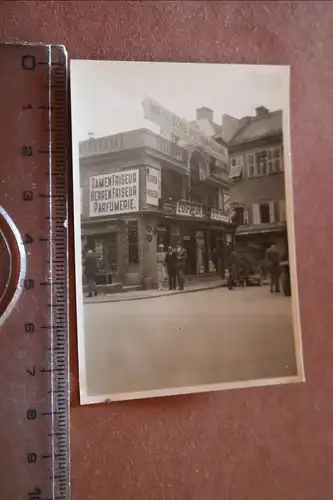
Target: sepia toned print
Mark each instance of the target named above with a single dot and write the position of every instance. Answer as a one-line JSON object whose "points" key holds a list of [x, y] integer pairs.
{"points": [[184, 238]]}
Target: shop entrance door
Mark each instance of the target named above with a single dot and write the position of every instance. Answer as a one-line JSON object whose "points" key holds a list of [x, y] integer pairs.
{"points": [[190, 245]]}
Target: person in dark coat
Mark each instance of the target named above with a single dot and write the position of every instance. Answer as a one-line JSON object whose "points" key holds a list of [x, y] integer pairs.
{"points": [[170, 260], [90, 270], [181, 256], [274, 267]]}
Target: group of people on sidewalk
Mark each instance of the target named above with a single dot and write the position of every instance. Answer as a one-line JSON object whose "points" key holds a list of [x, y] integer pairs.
{"points": [[171, 265]]}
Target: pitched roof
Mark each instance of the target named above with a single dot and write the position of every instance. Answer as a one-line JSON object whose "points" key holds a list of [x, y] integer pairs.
{"points": [[259, 127]]}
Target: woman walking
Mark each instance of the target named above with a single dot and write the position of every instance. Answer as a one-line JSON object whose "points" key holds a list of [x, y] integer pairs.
{"points": [[160, 260]]}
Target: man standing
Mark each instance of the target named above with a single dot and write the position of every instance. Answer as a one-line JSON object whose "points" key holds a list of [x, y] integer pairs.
{"points": [[180, 265], [274, 267], [90, 270], [170, 260]]}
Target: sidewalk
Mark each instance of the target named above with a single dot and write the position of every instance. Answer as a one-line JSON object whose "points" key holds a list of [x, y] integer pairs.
{"points": [[190, 287]]}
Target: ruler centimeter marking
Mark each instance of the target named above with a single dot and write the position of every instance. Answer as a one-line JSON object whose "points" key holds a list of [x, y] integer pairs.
{"points": [[38, 423]]}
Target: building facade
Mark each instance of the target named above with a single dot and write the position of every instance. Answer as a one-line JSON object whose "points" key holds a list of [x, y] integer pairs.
{"points": [[257, 194], [139, 190]]}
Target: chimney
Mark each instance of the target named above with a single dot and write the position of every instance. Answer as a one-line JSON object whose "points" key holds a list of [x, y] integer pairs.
{"points": [[205, 114], [261, 111]]}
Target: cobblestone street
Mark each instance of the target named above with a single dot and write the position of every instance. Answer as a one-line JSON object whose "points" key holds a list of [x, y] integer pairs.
{"points": [[198, 338]]}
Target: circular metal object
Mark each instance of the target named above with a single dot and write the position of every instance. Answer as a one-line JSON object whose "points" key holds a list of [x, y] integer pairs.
{"points": [[12, 265]]}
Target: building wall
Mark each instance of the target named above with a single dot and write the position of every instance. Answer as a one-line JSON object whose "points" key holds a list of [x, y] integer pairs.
{"points": [[145, 149], [265, 188]]}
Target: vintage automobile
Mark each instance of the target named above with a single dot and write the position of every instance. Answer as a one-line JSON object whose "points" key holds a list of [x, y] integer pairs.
{"points": [[254, 279]]}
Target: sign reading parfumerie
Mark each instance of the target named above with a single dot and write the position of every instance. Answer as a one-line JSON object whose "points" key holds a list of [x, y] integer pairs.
{"points": [[113, 194]]}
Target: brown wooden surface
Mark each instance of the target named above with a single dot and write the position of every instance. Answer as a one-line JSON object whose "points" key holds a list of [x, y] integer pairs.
{"points": [[253, 444]]}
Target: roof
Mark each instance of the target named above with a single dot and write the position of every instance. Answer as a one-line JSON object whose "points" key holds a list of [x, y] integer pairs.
{"points": [[258, 127]]}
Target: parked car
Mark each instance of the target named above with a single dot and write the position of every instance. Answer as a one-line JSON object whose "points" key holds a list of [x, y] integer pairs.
{"points": [[254, 279]]}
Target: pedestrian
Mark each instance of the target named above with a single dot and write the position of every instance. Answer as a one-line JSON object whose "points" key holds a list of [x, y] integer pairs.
{"points": [[230, 282], [274, 268], [90, 270], [181, 256], [160, 261], [170, 260]]}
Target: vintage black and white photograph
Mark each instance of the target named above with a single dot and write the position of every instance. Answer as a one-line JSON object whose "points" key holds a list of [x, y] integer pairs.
{"points": [[184, 236]]}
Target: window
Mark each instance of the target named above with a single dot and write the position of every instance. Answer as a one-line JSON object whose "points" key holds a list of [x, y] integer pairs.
{"points": [[241, 216], [250, 165], [264, 162], [133, 242], [171, 185], [278, 164], [264, 213], [236, 166], [270, 161], [212, 198], [261, 161]]}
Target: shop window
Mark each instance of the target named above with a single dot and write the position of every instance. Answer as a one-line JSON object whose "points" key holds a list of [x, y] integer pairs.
{"points": [[133, 242], [105, 248]]}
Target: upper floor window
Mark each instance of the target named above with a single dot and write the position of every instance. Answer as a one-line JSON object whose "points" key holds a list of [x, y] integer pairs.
{"points": [[240, 214], [250, 165], [264, 162], [171, 185], [236, 167], [264, 213]]}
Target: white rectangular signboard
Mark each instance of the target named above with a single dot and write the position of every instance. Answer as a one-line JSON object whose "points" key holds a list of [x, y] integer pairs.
{"points": [[153, 186], [114, 193]]}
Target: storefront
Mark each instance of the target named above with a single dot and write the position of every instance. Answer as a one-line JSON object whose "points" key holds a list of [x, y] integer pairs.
{"points": [[203, 234]]}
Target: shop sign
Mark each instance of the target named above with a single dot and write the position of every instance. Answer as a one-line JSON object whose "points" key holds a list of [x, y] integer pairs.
{"points": [[153, 186], [189, 209], [190, 133], [115, 193], [220, 215]]}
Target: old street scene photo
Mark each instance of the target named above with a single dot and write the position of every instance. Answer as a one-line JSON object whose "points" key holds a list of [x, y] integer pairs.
{"points": [[184, 243]]}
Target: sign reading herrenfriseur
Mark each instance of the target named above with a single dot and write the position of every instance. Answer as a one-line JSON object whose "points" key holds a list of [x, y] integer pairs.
{"points": [[114, 193]]}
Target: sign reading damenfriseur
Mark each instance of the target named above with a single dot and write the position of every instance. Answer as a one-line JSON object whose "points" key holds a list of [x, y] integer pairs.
{"points": [[189, 209], [114, 193]]}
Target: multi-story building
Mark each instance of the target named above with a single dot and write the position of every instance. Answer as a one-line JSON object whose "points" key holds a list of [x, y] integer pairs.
{"points": [[139, 190], [255, 146]]}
